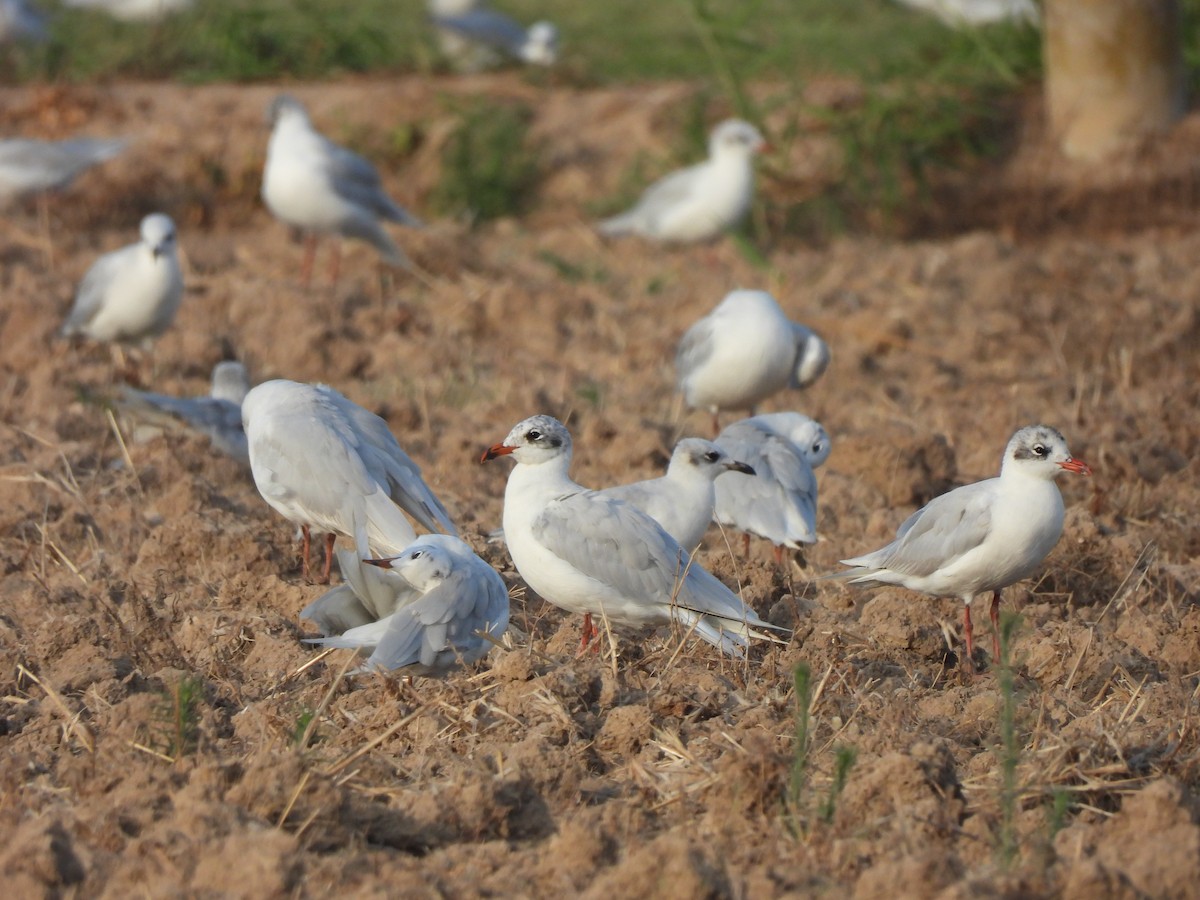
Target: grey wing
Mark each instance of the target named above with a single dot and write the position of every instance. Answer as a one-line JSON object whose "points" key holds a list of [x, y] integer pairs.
{"points": [[695, 349], [219, 420], [89, 298], [380, 591], [659, 198], [812, 357], [936, 535], [779, 501], [357, 180], [388, 464], [638, 494], [620, 546], [435, 630], [337, 611], [487, 27]]}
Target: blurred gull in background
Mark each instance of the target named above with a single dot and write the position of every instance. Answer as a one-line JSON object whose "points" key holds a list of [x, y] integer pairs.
{"points": [[312, 184], [21, 22], [973, 13], [217, 415], [700, 202], [744, 351], [473, 37], [134, 10], [131, 294]]}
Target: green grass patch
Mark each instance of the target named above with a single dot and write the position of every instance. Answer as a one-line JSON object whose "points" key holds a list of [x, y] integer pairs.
{"points": [[488, 168]]}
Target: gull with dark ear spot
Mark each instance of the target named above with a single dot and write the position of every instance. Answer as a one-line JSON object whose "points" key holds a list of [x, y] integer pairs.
{"points": [[981, 537], [699, 202], [780, 502], [682, 500], [744, 351], [133, 293], [591, 554], [319, 187], [454, 610]]}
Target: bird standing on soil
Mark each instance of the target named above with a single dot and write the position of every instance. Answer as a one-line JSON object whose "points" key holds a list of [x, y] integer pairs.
{"points": [[329, 465], [218, 415], [455, 610], [591, 554], [473, 37], [133, 293], [742, 352], [682, 500], [312, 184], [699, 202], [780, 502], [981, 537]]}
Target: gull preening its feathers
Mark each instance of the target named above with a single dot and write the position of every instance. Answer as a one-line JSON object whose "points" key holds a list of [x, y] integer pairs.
{"points": [[981, 537], [591, 554], [450, 607]]}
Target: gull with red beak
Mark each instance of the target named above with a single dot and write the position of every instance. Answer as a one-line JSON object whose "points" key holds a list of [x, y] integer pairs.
{"points": [[591, 554], [981, 537]]}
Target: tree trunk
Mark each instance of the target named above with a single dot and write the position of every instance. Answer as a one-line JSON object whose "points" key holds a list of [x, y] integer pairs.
{"points": [[1114, 72]]}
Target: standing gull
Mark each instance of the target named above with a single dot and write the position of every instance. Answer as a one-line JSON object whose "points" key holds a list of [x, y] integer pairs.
{"points": [[595, 555], [312, 184], [780, 502], [744, 351], [455, 610], [132, 293], [699, 202], [682, 500], [981, 537], [329, 465], [218, 415]]}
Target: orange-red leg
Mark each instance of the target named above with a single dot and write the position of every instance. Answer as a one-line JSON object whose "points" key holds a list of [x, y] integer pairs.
{"points": [[589, 632], [330, 539], [305, 547], [969, 635]]}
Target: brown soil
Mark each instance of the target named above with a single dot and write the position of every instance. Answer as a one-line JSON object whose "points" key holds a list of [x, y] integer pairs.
{"points": [[130, 569]]}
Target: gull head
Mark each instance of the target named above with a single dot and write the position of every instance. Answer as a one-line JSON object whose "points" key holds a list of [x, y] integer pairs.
{"points": [[422, 565], [536, 440], [807, 434], [285, 106], [158, 233], [1039, 451], [735, 137], [705, 458], [229, 382], [541, 44]]}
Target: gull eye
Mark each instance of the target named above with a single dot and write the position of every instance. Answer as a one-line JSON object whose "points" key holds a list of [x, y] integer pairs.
{"points": [[533, 434], [712, 456], [417, 554], [1039, 450]]}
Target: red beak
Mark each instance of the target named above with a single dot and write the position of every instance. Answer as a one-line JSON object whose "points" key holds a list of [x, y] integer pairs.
{"points": [[496, 450], [382, 563], [1077, 466]]}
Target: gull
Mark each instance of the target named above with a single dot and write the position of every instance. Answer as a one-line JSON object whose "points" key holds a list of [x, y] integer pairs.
{"points": [[132, 293], [699, 202], [780, 502], [981, 537], [21, 22], [368, 593], [743, 351], [326, 464], [312, 184], [218, 415], [682, 500], [973, 13], [455, 610], [591, 554], [474, 37], [134, 10], [30, 166]]}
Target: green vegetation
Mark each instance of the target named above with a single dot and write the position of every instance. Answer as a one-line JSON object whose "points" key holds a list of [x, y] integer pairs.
{"points": [[488, 168], [797, 817], [176, 727]]}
